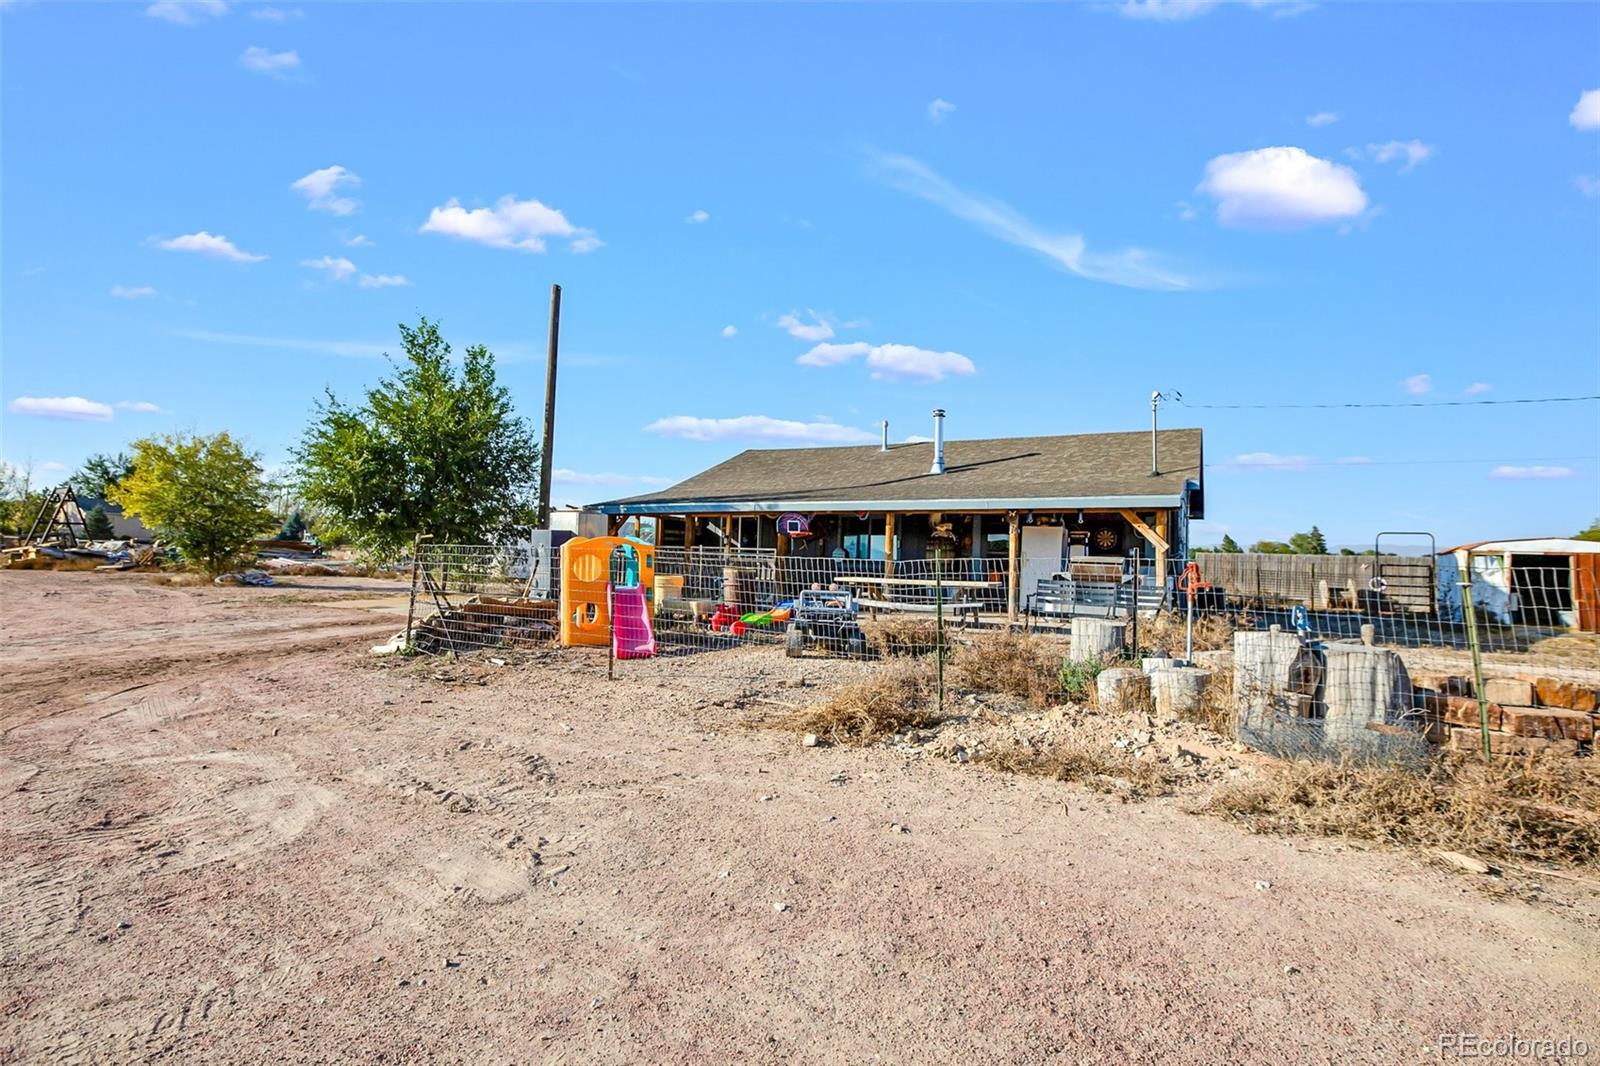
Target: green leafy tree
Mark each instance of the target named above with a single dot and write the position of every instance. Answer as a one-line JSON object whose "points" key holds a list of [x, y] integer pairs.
{"points": [[1592, 533], [1271, 547], [294, 527], [99, 473], [430, 449], [1311, 542], [97, 524], [20, 498], [206, 495], [1230, 546]]}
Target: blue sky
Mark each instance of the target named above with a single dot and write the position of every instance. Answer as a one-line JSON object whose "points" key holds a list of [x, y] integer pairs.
{"points": [[779, 224]]}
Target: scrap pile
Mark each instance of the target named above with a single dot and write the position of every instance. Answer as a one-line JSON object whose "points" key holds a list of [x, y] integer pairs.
{"points": [[486, 622]]}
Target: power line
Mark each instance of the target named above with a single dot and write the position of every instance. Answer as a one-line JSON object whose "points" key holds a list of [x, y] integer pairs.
{"points": [[1178, 396]]}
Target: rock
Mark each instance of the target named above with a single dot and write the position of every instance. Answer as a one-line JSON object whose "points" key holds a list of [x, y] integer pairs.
{"points": [[1290, 971], [1465, 863], [1504, 690], [1262, 886], [810, 740], [1571, 695], [780, 907], [1369, 634], [1551, 723]]}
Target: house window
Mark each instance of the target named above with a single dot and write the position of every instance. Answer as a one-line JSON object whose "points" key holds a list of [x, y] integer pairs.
{"points": [[862, 538]]}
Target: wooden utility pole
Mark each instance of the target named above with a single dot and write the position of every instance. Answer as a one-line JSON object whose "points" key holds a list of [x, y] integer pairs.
{"points": [[548, 446]]}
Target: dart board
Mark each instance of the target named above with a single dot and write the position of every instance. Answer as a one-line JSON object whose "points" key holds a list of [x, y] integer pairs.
{"points": [[1105, 540]]}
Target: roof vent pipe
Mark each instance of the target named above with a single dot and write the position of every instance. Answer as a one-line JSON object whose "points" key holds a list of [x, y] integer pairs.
{"points": [[885, 446], [938, 441]]}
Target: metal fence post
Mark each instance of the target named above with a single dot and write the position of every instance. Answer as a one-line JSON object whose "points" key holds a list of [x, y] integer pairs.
{"points": [[411, 607], [938, 621], [1477, 656]]}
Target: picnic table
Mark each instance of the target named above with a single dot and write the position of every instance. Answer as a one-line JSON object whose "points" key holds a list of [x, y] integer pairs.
{"points": [[875, 591]]}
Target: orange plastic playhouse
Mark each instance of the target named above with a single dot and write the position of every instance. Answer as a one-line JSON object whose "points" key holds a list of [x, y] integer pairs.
{"points": [[586, 568]]}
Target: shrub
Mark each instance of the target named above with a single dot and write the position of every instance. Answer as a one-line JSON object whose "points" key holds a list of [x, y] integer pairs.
{"points": [[1077, 678], [97, 524], [1015, 664], [896, 696]]}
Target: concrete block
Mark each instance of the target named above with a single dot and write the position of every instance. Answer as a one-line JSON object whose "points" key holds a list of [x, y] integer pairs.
{"points": [[1506, 744], [1509, 690], [1551, 723], [1571, 695]]}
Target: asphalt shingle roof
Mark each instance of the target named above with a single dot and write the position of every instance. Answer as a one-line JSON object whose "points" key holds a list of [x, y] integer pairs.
{"points": [[1080, 466]]}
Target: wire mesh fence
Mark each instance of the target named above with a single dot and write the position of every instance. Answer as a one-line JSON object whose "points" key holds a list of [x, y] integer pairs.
{"points": [[471, 597]]}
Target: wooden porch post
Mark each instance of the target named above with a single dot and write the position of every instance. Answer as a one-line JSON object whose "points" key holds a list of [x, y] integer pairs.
{"points": [[690, 523], [888, 544], [1162, 547], [1014, 565]]}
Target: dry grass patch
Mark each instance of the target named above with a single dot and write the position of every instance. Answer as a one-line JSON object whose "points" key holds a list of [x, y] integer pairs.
{"points": [[898, 695], [1016, 664], [1165, 636], [901, 635], [1083, 763], [1529, 809]]}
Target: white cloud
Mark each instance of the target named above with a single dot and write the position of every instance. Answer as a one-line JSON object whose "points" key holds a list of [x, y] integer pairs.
{"points": [[1586, 115], [71, 408], [346, 349], [336, 268], [186, 12], [321, 188], [1588, 184], [133, 292], [730, 331], [216, 246], [1322, 118], [757, 428], [1281, 187], [272, 64], [143, 407], [1271, 461], [1412, 151], [1477, 388], [1534, 473], [384, 281], [820, 328], [276, 14], [510, 223], [698, 217], [1354, 460], [891, 362], [1132, 267], [354, 240], [938, 109], [578, 477], [1179, 10], [1418, 384]]}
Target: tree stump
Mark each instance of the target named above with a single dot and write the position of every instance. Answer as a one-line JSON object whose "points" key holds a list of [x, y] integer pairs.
{"points": [[1178, 691], [1150, 663], [1097, 638], [1363, 685], [1123, 689], [1275, 689]]}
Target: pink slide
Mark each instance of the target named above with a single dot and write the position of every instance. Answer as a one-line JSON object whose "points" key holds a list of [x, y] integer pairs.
{"points": [[631, 635]]}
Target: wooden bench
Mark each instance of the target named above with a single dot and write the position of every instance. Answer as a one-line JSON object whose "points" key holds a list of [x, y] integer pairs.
{"points": [[955, 608]]}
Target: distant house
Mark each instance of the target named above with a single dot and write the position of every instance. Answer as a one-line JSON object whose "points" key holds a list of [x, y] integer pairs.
{"points": [[1029, 504], [1533, 581]]}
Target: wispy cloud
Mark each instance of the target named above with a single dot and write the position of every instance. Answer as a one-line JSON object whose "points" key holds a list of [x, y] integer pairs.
{"points": [[214, 245], [891, 362], [1411, 153], [355, 240], [1271, 461], [1418, 384], [1477, 388], [273, 64], [1182, 10], [186, 12], [1322, 118], [1281, 188], [68, 408], [730, 331], [322, 190], [516, 224], [697, 217], [1132, 267], [384, 281], [142, 407], [337, 268], [820, 328], [1531, 473], [277, 14], [938, 109], [133, 292], [579, 477], [344, 349], [1586, 113], [757, 428], [1588, 184]]}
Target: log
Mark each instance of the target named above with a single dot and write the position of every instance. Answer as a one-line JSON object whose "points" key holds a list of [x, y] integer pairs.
{"points": [[1178, 691], [1362, 685], [1123, 689], [1097, 638]]}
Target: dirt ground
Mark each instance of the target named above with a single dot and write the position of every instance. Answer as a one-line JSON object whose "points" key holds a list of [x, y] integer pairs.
{"points": [[228, 833]]}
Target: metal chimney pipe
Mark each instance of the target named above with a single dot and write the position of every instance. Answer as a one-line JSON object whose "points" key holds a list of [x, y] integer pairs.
{"points": [[938, 441], [1155, 458], [885, 446]]}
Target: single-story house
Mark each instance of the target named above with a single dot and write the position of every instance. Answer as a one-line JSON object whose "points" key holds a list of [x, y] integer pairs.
{"points": [[1532, 581], [1036, 505]]}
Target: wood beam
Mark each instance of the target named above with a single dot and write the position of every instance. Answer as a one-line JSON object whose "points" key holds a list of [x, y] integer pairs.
{"points": [[691, 523], [1014, 565], [888, 544], [1164, 531], [1162, 547]]}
